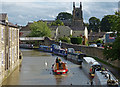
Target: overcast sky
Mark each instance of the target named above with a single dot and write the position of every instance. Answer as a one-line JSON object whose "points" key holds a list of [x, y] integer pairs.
{"points": [[25, 11]]}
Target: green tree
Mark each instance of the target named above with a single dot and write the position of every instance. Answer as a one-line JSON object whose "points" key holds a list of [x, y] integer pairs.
{"points": [[94, 24], [65, 39], [112, 51], [57, 23], [39, 29], [64, 16], [107, 23]]}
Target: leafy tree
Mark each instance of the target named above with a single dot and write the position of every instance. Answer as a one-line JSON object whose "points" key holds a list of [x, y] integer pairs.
{"points": [[107, 22], [76, 40], [39, 29], [65, 39], [112, 51], [94, 24], [64, 16], [57, 23]]}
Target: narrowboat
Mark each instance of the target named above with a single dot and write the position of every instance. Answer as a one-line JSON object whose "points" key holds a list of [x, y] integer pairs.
{"points": [[90, 64], [56, 49], [59, 68], [75, 57], [27, 46], [45, 48], [99, 74]]}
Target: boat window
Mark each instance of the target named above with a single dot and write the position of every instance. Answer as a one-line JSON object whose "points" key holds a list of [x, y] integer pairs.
{"points": [[97, 67]]}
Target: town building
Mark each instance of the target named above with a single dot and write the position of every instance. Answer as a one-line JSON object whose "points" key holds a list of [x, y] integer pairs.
{"points": [[93, 36], [9, 47], [74, 27]]}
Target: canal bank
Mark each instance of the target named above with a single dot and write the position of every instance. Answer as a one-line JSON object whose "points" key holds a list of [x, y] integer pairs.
{"points": [[12, 69]]}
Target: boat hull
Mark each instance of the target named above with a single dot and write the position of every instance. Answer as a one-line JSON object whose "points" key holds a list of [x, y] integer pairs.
{"points": [[60, 72]]}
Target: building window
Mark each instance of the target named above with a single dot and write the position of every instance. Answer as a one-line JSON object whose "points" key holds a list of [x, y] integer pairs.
{"points": [[2, 57], [9, 34], [12, 55], [12, 35], [2, 34], [9, 56]]}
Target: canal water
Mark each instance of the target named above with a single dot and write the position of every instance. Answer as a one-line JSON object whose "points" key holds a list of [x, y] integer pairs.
{"points": [[36, 70]]}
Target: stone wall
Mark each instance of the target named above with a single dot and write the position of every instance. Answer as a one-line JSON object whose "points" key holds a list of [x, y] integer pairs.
{"points": [[91, 51]]}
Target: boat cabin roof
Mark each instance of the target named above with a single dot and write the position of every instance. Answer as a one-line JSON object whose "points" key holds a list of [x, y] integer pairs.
{"points": [[90, 60]]}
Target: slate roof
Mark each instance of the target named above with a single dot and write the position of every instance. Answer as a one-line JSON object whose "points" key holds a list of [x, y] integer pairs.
{"points": [[64, 27], [76, 28], [97, 34]]}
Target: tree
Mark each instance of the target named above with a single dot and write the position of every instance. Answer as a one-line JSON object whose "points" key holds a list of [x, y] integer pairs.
{"points": [[57, 23], [113, 51], [94, 24], [64, 16], [107, 22], [40, 29]]}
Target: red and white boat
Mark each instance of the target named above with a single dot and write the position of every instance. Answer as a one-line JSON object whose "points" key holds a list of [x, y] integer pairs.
{"points": [[59, 68]]}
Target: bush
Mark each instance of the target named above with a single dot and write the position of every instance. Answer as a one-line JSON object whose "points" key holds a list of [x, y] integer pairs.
{"points": [[65, 39], [99, 41], [76, 40]]}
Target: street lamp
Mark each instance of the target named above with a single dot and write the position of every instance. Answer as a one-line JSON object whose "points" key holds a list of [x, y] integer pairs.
{"points": [[60, 42]]}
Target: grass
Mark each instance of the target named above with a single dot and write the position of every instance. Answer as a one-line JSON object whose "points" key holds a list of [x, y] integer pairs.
{"points": [[99, 60]]}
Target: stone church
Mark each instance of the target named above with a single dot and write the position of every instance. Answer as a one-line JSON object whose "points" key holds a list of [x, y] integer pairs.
{"points": [[77, 21]]}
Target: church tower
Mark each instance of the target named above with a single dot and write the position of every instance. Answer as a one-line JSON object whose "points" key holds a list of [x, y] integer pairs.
{"points": [[77, 17]]}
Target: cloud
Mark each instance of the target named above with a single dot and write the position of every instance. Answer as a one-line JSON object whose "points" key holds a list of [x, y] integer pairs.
{"points": [[23, 12], [60, 0]]}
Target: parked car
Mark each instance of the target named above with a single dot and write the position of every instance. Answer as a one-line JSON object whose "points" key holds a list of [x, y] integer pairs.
{"points": [[93, 45]]}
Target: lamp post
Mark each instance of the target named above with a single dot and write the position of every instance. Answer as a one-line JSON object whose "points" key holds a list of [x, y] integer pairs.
{"points": [[60, 42]]}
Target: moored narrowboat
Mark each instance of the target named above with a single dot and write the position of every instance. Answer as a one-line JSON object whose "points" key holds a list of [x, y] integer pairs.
{"points": [[45, 48], [75, 57], [99, 74]]}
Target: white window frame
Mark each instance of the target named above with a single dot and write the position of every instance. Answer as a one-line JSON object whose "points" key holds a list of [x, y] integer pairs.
{"points": [[2, 34], [2, 57]]}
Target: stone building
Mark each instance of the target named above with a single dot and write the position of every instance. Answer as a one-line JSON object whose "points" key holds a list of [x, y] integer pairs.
{"points": [[9, 47], [96, 35], [77, 22], [74, 27], [63, 31]]}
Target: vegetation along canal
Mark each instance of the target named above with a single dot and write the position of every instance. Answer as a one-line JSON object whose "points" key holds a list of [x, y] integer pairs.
{"points": [[36, 70]]}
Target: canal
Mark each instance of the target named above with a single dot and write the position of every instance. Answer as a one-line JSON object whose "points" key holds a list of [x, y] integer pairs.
{"points": [[36, 70]]}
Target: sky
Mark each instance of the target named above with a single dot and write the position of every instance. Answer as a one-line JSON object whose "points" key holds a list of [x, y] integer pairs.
{"points": [[26, 11]]}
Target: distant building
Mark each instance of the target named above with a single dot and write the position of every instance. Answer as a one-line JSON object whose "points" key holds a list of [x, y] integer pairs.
{"points": [[96, 35], [74, 27], [109, 38], [104, 36], [77, 22], [25, 30], [9, 47], [63, 31]]}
